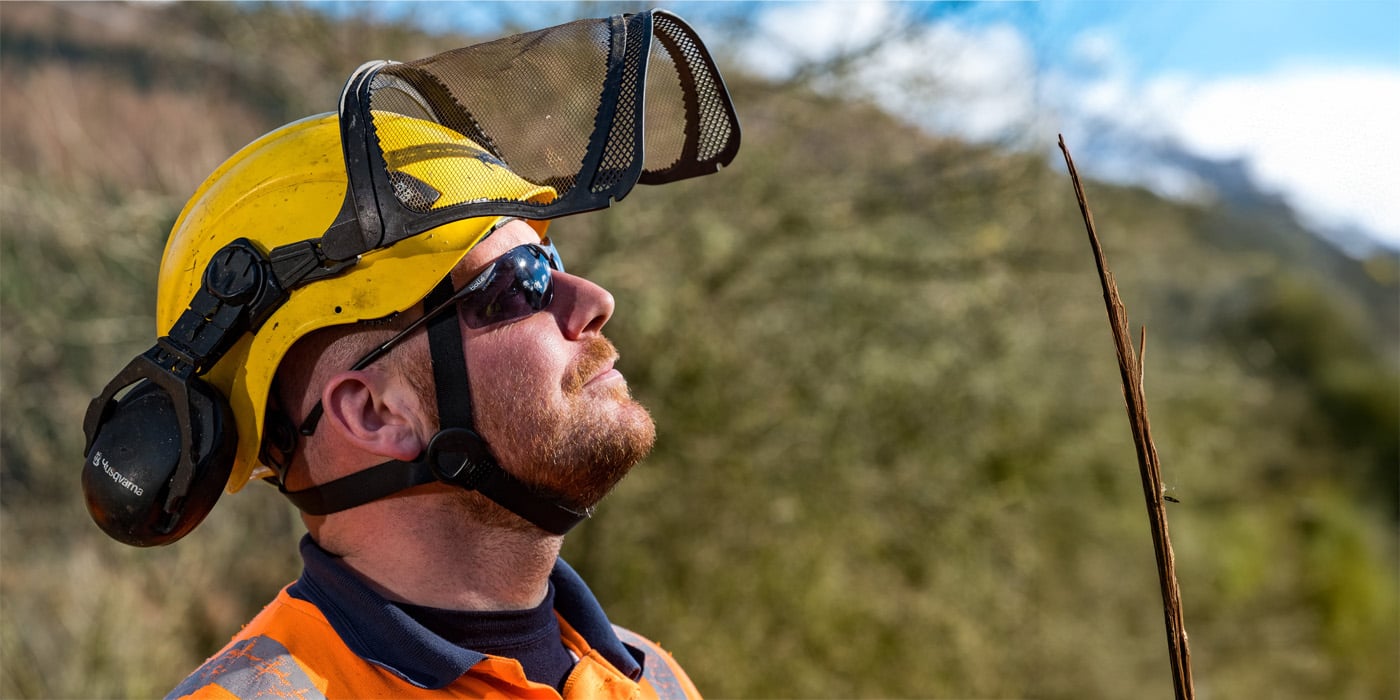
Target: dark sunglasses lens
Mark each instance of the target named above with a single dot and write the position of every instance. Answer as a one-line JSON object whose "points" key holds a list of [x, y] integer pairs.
{"points": [[521, 283]]}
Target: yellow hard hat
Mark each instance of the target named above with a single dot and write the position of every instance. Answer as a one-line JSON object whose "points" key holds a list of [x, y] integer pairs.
{"points": [[288, 186]]}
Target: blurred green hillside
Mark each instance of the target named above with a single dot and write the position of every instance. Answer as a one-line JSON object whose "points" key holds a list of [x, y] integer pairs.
{"points": [[892, 456]]}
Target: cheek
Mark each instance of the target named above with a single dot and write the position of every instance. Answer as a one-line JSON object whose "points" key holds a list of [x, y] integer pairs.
{"points": [[510, 366]]}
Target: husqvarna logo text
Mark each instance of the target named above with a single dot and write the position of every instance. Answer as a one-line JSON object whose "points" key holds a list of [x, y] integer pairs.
{"points": [[99, 461]]}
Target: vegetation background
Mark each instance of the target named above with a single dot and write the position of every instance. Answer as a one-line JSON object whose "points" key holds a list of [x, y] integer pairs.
{"points": [[893, 460]]}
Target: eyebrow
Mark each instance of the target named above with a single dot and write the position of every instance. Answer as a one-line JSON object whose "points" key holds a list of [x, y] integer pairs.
{"points": [[476, 271]]}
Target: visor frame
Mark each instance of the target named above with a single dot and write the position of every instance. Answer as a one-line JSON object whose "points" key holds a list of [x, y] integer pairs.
{"points": [[374, 217]]}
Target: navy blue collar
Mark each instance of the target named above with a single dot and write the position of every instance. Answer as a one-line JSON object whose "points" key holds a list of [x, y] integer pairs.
{"points": [[379, 632]]}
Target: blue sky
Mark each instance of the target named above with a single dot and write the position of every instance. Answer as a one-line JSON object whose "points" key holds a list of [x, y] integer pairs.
{"points": [[1219, 38], [1304, 94]]}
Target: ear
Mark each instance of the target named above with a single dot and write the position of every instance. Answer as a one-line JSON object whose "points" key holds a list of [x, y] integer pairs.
{"points": [[373, 413]]}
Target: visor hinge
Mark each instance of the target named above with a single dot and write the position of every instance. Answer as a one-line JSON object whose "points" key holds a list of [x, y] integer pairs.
{"points": [[296, 264]]}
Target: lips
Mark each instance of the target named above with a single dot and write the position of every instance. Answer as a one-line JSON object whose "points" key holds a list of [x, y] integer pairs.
{"points": [[604, 373], [594, 364]]}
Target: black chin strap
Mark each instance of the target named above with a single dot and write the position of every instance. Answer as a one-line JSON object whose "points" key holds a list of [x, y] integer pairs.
{"points": [[456, 455]]}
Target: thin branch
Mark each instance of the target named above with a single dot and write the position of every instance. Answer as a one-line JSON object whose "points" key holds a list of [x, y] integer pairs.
{"points": [[1131, 369]]}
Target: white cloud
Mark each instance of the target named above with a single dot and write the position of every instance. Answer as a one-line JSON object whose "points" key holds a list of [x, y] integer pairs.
{"points": [[977, 81], [1325, 137], [1095, 48], [794, 33], [1322, 137]]}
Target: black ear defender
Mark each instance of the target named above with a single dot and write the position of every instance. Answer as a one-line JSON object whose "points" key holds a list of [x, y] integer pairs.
{"points": [[161, 442], [159, 458]]}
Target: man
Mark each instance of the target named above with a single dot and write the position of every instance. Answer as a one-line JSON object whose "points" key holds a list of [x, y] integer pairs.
{"points": [[365, 311], [436, 563]]}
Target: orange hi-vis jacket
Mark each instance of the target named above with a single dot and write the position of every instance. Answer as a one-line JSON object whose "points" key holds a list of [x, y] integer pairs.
{"points": [[330, 636]]}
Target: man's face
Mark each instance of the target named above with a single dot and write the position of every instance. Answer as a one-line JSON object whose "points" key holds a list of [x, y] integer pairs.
{"points": [[545, 394]]}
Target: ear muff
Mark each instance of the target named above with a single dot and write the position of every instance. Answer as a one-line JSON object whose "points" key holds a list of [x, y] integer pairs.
{"points": [[151, 475], [158, 457]]}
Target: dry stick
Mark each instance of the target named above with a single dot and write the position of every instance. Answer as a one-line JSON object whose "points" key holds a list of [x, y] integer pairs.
{"points": [[1130, 367]]}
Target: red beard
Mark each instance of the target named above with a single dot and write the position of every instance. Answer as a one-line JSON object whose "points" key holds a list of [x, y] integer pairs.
{"points": [[576, 452]]}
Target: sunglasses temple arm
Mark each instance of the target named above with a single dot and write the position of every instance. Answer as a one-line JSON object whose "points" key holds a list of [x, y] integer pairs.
{"points": [[308, 426]]}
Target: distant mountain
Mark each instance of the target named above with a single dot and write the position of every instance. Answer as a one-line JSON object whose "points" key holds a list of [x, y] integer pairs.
{"points": [[1263, 219]]}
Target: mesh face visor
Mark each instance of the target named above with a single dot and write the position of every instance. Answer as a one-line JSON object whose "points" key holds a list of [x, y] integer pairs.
{"points": [[589, 108]]}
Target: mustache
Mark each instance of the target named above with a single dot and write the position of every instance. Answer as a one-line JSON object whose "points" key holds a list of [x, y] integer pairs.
{"points": [[597, 353]]}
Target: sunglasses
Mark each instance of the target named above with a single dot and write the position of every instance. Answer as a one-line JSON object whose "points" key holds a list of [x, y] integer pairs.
{"points": [[515, 285], [518, 284]]}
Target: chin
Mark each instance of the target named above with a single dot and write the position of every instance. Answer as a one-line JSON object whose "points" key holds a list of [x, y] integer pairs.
{"points": [[579, 453], [615, 451]]}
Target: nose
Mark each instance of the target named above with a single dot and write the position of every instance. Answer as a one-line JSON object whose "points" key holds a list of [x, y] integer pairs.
{"points": [[581, 307]]}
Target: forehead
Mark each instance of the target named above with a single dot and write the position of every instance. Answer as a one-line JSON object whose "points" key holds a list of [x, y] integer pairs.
{"points": [[514, 233]]}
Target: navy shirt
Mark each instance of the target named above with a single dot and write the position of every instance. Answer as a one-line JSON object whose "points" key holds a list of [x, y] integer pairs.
{"points": [[528, 636], [424, 652]]}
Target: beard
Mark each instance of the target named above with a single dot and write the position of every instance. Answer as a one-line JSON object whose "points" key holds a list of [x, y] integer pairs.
{"points": [[575, 450]]}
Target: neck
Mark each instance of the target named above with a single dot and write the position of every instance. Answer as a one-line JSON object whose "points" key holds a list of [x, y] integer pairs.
{"points": [[427, 548]]}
